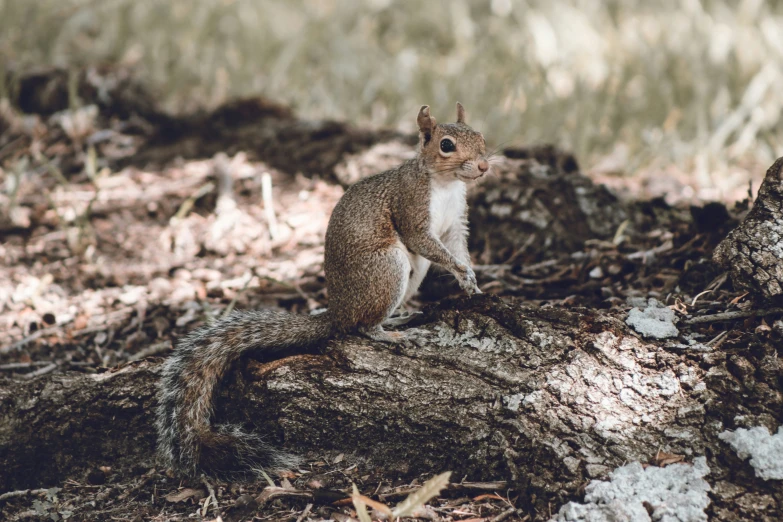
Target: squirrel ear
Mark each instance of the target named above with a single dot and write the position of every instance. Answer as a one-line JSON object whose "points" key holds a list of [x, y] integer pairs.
{"points": [[460, 113], [425, 121]]}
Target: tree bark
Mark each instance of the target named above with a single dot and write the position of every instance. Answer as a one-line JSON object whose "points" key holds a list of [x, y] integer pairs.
{"points": [[543, 397], [753, 252]]}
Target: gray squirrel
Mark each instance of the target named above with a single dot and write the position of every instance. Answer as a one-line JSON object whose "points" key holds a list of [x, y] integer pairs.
{"points": [[383, 235]]}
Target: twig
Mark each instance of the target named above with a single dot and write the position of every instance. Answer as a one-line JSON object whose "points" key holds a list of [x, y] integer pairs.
{"points": [[645, 254], [211, 499], [491, 268], [720, 341], [32, 337], [504, 515], [92, 329], [461, 486], [306, 511], [717, 339], [184, 209], [280, 282], [82, 366], [618, 235], [53, 169], [232, 304], [269, 493], [482, 486], [537, 266], [41, 371], [145, 479], [269, 210], [268, 479], [152, 350], [226, 204], [718, 282], [727, 316], [22, 493], [693, 303], [106, 321], [17, 170], [8, 146], [22, 366]]}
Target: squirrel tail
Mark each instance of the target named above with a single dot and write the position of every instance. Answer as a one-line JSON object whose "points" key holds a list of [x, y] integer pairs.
{"points": [[187, 440]]}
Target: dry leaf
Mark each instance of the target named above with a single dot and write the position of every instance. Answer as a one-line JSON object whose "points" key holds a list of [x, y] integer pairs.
{"points": [[488, 496], [360, 506], [663, 459], [738, 298], [360, 502], [184, 494], [430, 489]]}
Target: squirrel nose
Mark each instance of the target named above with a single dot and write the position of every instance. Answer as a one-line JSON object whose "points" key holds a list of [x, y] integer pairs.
{"points": [[483, 165]]}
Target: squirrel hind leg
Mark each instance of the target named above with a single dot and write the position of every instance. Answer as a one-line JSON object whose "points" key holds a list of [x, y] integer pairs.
{"points": [[367, 293]]}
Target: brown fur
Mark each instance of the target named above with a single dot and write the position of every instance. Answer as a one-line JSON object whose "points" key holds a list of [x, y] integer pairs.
{"points": [[382, 236]]}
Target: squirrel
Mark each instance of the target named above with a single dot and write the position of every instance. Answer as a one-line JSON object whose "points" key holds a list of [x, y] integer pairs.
{"points": [[382, 236]]}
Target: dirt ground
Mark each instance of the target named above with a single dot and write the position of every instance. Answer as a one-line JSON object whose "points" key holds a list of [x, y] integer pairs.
{"points": [[123, 228]]}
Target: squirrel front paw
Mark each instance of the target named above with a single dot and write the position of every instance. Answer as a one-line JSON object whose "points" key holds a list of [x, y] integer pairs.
{"points": [[467, 280]]}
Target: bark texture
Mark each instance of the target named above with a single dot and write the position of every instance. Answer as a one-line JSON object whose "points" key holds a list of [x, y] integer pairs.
{"points": [[545, 398], [753, 252], [58, 425]]}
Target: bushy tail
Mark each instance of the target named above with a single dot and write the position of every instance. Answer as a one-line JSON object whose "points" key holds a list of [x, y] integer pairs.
{"points": [[186, 439]]}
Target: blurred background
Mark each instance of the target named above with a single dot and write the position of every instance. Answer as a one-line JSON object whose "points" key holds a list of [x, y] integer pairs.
{"points": [[652, 91]]}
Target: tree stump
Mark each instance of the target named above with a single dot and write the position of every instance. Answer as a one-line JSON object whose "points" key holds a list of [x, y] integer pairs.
{"points": [[753, 252]]}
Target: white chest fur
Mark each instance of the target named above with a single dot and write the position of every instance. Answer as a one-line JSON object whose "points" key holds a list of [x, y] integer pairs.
{"points": [[447, 205]]}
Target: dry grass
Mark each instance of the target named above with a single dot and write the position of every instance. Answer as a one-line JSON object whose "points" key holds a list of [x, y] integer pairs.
{"points": [[631, 85]]}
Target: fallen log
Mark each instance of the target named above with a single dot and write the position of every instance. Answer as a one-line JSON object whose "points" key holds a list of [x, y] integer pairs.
{"points": [[545, 398]]}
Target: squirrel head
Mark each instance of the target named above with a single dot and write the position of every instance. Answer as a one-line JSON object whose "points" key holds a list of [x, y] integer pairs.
{"points": [[451, 150]]}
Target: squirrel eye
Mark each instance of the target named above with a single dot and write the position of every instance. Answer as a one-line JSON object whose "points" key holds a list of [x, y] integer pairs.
{"points": [[446, 145]]}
